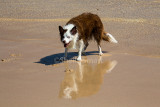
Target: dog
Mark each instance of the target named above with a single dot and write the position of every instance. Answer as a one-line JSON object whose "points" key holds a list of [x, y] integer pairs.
{"points": [[79, 30]]}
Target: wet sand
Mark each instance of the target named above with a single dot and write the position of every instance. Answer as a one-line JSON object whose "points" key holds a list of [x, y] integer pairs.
{"points": [[31, 74]]}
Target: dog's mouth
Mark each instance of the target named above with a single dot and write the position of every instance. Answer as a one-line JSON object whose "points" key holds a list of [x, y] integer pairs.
{"points": [[66, 44]]}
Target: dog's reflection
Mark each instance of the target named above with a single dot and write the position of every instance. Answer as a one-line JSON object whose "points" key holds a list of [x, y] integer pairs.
{"points": [[86, 80]]}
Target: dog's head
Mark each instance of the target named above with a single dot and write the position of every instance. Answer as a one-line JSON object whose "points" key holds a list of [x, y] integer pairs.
{"points": [[67, 33]]}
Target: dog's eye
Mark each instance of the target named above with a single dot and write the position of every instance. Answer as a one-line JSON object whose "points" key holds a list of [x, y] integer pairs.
{"points": [[68, 37]]}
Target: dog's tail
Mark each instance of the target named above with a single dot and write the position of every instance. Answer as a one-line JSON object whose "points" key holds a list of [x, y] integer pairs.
{"points": [[108, 37]]}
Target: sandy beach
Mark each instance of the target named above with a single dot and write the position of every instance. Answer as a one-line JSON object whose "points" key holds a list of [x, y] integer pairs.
{"points": [[32, 73]]}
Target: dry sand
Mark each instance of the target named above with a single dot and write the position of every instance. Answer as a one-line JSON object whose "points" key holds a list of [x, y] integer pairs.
{"points": [[127, 75]]}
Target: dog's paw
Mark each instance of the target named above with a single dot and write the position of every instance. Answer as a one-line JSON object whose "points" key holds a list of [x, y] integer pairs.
{"points": [[79, 59], [100, 54]]}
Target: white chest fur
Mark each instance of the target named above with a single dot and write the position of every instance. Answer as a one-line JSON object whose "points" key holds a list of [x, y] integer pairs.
{"points": [[74, 44]]}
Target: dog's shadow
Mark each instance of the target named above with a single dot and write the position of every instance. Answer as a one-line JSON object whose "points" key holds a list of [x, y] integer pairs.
{"points": [[59, 57]]}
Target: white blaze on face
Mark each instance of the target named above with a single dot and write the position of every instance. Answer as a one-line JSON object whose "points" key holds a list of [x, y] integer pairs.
{"points": [[67, 35]]}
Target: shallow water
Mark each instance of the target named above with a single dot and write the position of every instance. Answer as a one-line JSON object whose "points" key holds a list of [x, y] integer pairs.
{"points": [[110, 80]]}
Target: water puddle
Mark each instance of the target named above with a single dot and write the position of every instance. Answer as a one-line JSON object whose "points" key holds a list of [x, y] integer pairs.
{"points": [[84, 78]]}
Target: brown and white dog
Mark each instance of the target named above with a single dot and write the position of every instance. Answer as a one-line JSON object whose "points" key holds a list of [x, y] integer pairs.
{"points": [[79, 30]]}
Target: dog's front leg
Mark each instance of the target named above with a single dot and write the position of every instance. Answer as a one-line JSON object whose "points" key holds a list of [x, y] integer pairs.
{"points": [[81, 46], [66, 51]]}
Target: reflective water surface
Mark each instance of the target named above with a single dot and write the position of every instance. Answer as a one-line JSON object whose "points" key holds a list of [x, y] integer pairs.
{"points": [[85, 79]]}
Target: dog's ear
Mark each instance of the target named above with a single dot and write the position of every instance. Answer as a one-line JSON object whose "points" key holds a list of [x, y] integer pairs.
{"points": [[74, 30], [61, 30]]}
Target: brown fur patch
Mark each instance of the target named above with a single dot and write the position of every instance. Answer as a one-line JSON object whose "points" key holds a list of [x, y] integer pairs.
{"points": [[89, 26]]}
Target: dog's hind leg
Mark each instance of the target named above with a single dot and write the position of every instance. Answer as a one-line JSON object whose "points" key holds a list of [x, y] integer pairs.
{"points": [[97, 33], [100, 50], [85, 47], [99, 46]]}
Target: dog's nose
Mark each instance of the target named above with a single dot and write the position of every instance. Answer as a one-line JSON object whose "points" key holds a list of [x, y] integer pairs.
{"points": [[64, 41]]}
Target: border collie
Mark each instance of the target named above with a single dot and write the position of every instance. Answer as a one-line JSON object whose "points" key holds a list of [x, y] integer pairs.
{"points": [[79, 30]]}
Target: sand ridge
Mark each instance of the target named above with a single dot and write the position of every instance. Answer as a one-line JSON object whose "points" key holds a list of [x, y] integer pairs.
{"points": [[107, 19]]}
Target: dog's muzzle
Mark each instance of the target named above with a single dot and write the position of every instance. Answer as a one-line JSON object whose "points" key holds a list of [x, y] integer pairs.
{"points": [[65, 44]]}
